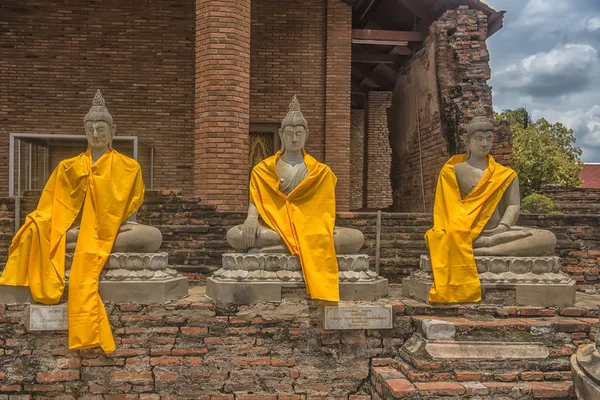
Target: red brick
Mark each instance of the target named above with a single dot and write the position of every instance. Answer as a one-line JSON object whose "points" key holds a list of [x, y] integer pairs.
{"points": [[467, 376], [187, 330], [532, 376], [165, 361], [547, 390], [10, 388], [256, 397], [509, 377], [440, 388], [62, 376], [43, 388], [400, 387], [165, 376], [131, 377]]}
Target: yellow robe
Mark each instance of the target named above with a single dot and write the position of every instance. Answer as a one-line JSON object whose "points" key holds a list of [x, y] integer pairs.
{"points": [[304, 219], [456, 223], [109, 191]]}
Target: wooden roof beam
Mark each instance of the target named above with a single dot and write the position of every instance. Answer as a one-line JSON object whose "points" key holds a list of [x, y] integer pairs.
{"points": [[372, 58], [386, 37], [374, 77], [417, 8]]}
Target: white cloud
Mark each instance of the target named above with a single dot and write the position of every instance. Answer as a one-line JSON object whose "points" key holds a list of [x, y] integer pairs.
{"points": [[593, 24], [562, 70], [548, 16]]}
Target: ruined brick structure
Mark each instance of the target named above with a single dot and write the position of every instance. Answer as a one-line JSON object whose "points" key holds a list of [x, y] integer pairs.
{"points": [[440, 86]]}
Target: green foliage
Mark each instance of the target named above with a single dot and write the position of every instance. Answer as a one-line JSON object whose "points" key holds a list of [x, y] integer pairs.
{"points": [[543, 153], [537, 204]]}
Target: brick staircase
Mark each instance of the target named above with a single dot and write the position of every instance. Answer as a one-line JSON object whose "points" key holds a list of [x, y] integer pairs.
{"points": [[516, 373]]}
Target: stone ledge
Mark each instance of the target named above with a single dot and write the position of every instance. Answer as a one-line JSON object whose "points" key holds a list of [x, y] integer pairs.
{"points": [[252, 292], [140, 292]]}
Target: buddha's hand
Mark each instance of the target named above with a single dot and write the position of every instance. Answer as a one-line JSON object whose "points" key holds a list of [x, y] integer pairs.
{"points": [[250, 231], [494, 231], [127, 226]]}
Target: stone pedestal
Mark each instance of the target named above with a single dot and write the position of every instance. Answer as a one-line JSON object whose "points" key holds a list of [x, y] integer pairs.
{"points": [[527, 281], [254, 278], [585, 367], [143, 278]]}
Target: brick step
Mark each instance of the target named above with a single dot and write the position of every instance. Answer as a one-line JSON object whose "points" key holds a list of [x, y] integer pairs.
{"points": [[392, 380], [586, 306], [547, 330]]}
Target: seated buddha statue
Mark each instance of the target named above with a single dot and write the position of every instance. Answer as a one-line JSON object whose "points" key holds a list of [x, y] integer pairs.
{"points": [[477, 205], [101, 189], [132, 237], [294, 195]]}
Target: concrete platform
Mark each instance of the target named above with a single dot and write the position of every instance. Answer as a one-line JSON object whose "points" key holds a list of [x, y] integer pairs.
{"points": [[252, 292], [140, 292]]}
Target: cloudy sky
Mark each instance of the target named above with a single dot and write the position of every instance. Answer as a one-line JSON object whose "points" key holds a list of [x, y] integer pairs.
{"points": [[547, 59]]}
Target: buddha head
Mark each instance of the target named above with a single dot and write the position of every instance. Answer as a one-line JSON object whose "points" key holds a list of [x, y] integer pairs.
{"points": [[294, 128], [480, 133], [99, 126]]}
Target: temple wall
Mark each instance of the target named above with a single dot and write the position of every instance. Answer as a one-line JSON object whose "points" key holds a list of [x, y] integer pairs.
{"points": [[357, 157], [54, 55], [377, 189], [194, 236]]}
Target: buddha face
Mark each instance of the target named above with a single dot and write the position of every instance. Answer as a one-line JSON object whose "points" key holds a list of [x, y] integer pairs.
{"points": [[99, 134], [293, 137], [479, 143]]}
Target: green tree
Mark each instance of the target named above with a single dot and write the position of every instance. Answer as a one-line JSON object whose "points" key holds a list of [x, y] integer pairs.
{"points": [[543, 153]]}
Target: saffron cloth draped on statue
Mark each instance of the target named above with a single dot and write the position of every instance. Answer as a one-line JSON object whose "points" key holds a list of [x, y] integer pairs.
{"points": [[456, 223], [109, 191], [304, 219]]}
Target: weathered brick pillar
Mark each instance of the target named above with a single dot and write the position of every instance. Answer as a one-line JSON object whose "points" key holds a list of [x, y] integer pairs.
{"points": [[222, 102], [378, 153], [337, 97], [357, 151]]}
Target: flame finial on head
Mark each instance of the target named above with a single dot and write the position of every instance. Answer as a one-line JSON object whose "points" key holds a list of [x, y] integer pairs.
{"points": [[294, 115], [294, 105], [98, 99], [98, 111]]}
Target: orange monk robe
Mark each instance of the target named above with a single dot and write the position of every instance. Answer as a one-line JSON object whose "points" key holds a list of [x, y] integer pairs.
{"points": [[456, 223], [109, 191], [304, 219]]}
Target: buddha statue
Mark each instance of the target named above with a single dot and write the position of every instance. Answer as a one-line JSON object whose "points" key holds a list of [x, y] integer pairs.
{"points": [[294, 196], [100, 189], [256, 237], [132, 237], [477, 205]]}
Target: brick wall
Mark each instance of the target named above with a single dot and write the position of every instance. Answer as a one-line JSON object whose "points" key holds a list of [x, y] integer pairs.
{"points": [[222, 102], [187, 349], [419, 146], [357, 151], [377, 187], [337, 97], [194, 236], [54, 55], [282, 65], [7, 226], [574, 200]]}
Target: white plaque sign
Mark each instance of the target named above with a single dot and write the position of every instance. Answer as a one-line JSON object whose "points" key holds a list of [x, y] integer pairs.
{"points": [[358, 317], [47, 318]]}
